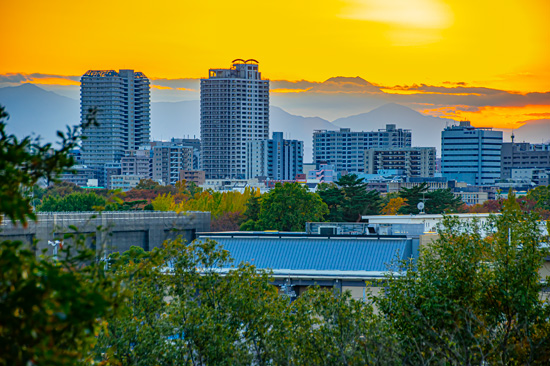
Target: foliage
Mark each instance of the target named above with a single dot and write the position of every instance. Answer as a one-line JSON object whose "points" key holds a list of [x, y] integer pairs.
{"points": [[48, 309], [227, 221], [218, 203], [435, 202], [72, 202], [287, 207], [474, 299], [23, 163], [164, 202], [349, 199], [541, 195], [393, 205]]}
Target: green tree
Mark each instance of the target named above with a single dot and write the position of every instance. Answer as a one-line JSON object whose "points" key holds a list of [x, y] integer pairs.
{"points": [[48, 309], [349, 199], [332, 196], [435, 202], [541, 195], [288, 207], [73, 202], [474, 299]]}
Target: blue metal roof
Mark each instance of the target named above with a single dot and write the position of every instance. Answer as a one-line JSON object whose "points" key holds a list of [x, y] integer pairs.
{"points": [[320, 254]]}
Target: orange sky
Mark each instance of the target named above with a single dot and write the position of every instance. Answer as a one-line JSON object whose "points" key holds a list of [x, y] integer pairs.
{"points": [[501, 44]]}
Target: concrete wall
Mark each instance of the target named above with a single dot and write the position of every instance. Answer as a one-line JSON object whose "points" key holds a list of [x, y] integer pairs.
{"points": [[114, 231]]}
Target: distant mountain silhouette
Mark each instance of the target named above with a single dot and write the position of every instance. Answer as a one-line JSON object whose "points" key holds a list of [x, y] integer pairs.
{"points": [[346, 84], [35, 111], [535, 131], [426, 130], [297, 128], [175, 119]]}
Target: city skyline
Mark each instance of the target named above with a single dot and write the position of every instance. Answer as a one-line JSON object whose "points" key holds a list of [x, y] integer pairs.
{"points": [[481, 61]]}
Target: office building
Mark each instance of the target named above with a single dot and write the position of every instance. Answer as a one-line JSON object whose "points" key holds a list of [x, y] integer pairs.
{"points": [[276, 158], [234, 110], [345, 149], [412, 161], [470, 154], [525, 156], [122, 100]]}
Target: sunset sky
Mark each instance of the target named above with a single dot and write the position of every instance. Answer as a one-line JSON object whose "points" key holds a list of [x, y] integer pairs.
{"points": [[483, 60]]}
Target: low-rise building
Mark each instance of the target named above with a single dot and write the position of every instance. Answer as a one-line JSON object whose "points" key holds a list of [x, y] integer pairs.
{"points": [[195, 176], [125, 182]]}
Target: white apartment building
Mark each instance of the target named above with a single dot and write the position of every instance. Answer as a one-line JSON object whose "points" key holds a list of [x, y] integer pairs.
{"points": [[234, 110], [345, 149], [276, 158]]}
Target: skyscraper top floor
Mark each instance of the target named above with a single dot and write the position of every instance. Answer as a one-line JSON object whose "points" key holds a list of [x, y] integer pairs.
{"points": [[240, 69]]}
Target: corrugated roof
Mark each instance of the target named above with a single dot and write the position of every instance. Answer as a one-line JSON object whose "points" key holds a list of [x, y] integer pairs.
{"points": [[321, 254]]}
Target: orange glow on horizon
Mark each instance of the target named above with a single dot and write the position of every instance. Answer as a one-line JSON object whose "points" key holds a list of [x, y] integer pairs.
{"points": [[500, 44]]}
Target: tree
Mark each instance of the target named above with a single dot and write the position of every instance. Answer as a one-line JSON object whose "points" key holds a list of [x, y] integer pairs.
{"points": [[474, 299], [393, 205], [73, 202], [332, 196], [48, 309], [288, 207], [349, 199], [541, 195], [436, 202]]}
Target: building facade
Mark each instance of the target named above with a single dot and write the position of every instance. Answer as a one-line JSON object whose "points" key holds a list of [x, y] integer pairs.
{"points": [[470, 154], [168, 159], [138, 162], [345, 149], [524, 155], [413, 161], [234, 110], [276, 158], [122, 100]]}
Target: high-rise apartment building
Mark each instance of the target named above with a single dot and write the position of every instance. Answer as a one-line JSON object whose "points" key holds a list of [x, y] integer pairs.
{"points": [[470, 154], [345, 149], [276, 158], [412, 161], [234, 110], [122, 100]]}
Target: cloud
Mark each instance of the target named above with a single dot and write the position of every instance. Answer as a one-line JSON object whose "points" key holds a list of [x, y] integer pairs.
{"points": [[38, 78], [424, 14]]}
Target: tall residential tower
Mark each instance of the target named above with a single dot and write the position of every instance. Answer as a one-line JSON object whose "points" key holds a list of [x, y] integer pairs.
{"points": [[234, 110], [122, 100]]}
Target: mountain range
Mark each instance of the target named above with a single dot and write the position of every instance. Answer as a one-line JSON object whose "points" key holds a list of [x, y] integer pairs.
{"points": [[35, 111]]}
